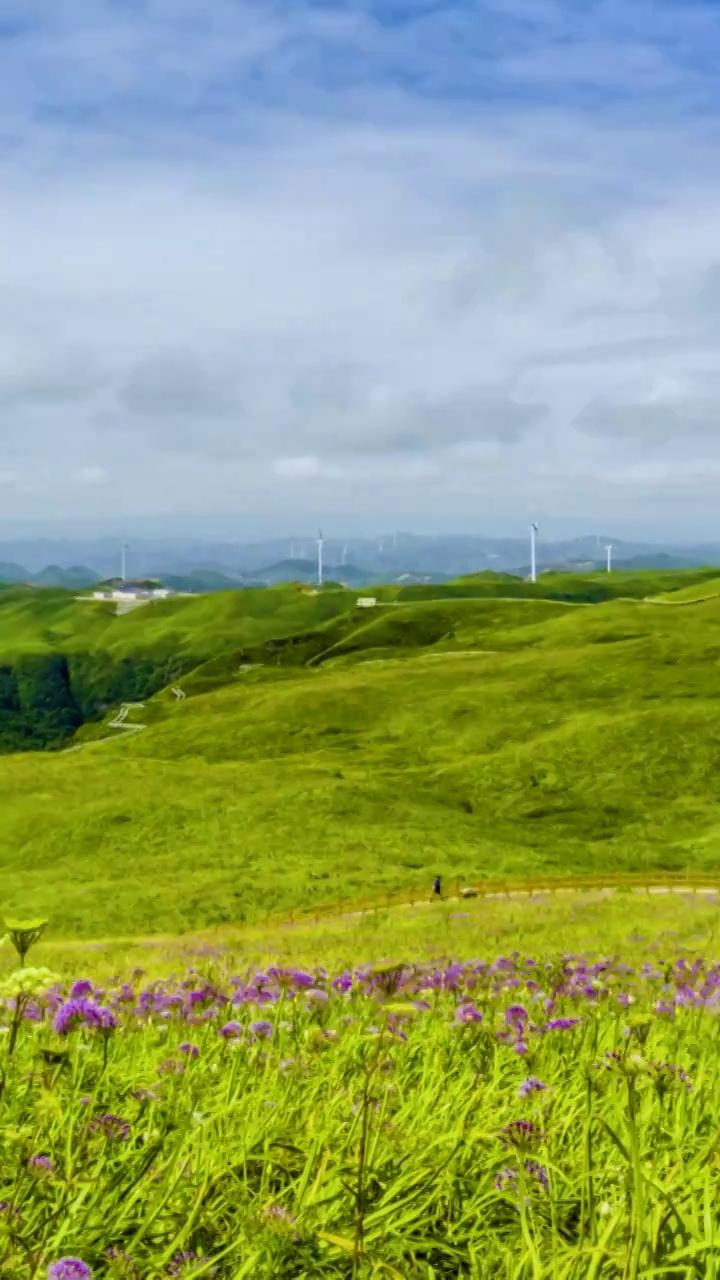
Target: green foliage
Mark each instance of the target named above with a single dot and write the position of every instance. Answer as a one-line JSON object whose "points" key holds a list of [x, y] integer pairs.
{"points": [[376, 1134]]}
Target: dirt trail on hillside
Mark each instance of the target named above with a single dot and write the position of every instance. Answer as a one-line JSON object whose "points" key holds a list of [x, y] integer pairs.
{"points": [[591, 892]]}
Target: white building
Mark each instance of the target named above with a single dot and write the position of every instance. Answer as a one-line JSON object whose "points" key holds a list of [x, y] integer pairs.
{"points": [[366, 602], [134, 593]]}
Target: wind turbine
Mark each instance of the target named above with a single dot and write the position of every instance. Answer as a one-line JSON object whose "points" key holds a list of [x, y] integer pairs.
{"points": [[344, 553], [320, 542], [533, 560], [123, 565], [609, 550]]}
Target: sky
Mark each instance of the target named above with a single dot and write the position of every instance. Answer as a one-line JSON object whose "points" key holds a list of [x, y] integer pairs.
{"points": [[370, 264]]}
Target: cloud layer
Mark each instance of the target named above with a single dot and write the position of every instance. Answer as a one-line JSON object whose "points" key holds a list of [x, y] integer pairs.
{"points": [[375, 262]]}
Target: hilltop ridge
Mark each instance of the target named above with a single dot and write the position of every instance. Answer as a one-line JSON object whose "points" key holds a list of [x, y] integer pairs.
{"points": [[65, 661]]}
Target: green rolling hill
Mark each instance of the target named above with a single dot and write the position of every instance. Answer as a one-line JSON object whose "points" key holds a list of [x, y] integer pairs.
{"points": [[324, 751], [65, 661], [693, 591]]}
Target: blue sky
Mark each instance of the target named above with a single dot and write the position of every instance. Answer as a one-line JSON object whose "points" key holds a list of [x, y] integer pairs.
{"points": [[424, 265]]}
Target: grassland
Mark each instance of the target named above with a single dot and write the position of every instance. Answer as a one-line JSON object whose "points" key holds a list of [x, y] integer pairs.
{"points": [[446, 1094], [329, 753], [522, 1090]]}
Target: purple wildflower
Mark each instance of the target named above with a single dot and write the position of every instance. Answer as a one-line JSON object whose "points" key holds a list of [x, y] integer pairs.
{"points": [[69, 1269], [261, 1030], [516, 1015], [42, 1163], [114, 1128], [70, 1015], [520, 1133], [506, 1178], [231, 1030], [467, 1013], [190, 1050], [531, 1085], [536, 1171], [81, 988], [316, 995], [81, 1012], [666, 1072], [452, 977], [301, 981], [561, 1024]]}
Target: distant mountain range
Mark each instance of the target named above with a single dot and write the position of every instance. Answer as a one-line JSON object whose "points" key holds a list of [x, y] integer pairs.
{"points": [[75, 577], [355, 563], [80, 578]]}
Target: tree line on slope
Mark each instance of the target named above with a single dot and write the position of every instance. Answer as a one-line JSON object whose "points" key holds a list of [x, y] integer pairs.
{"points": [[45, 698]]}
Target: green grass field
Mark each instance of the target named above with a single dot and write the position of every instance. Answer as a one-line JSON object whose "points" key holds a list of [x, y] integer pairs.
{"points": [[363, 752], [506, 1091], [523, 1089]]}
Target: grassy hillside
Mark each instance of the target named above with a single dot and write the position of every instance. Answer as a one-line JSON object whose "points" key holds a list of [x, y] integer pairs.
{"points": [[520, 738], [691, 592], [64, 661], [589, 587]]}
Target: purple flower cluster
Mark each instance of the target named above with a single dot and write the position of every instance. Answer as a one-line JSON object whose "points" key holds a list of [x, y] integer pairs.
{"points": [[80, 1011], [520, 1133], [533, 999], [111, 1127], [531, 1085], [69, 1269]]}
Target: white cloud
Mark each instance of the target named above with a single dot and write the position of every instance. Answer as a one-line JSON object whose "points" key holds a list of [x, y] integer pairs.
{"points": [[298, 468], [296, 244], [91, 475]]}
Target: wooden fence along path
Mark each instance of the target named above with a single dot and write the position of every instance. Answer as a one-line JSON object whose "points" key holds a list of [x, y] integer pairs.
{"points": [[515, 887]]}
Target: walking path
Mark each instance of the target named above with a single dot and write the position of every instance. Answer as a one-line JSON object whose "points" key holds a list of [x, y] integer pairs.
{"points": [[597, 891]]}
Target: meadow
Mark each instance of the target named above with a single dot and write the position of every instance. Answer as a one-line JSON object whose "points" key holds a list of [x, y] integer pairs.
{"points": [[198, 1078], [361, 756], [518, 1089]]}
